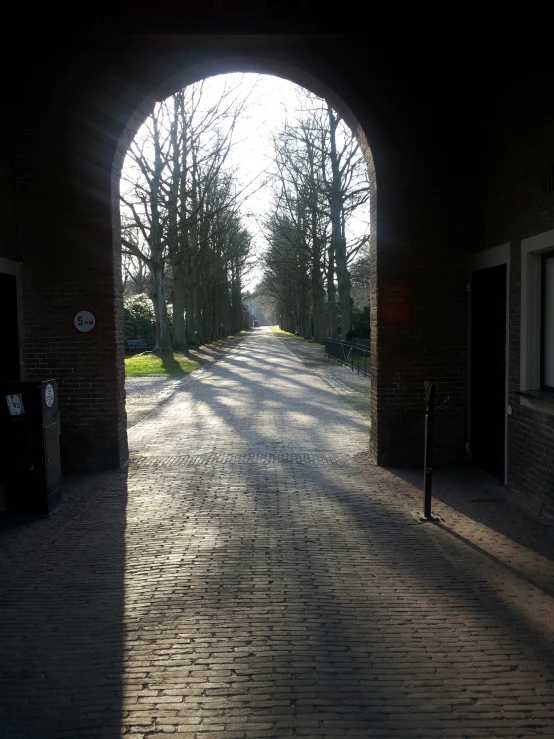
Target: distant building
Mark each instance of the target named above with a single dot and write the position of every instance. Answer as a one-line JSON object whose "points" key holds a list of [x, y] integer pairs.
{"points": [[247, 319]]}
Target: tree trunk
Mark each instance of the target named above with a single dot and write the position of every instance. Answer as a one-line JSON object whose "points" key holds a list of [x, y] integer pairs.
{"points": [[318, 299], [345, 286], [237, 300], [196, 299], [331, 291], [163, 341], [224, 309], [305, 318], [337, 236], [157, 269], [179, 334], [318, 291], [179, 328], [190, 322], [215, 313], [207, 317], [197, 315]]}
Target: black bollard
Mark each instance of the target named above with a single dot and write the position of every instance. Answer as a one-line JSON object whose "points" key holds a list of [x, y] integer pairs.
{"points": [[428, 450]]}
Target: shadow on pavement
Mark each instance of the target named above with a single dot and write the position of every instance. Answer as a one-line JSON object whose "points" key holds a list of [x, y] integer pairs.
{"points": [[61, 615]]}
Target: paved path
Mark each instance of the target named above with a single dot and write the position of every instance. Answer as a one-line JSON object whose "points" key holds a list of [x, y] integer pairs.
{"points": [[253, 576], [355, 388], [144, 395], [260, 399]]}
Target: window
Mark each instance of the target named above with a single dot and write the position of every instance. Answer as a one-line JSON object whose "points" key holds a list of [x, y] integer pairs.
{"points": [[536, 374], [547, 321]]}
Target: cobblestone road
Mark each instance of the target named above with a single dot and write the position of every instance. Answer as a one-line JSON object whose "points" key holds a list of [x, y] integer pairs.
{"points": [[253, 576], [144, 395]]}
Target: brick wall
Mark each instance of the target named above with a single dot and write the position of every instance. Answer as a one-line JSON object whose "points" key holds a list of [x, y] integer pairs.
{"points": [[516, 147], [530, 431], [64, 221], [8, 238], [70, 143], [422, 194]]}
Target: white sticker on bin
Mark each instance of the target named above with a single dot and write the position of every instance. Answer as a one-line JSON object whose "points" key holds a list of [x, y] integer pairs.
{"points": [[49, 395]]}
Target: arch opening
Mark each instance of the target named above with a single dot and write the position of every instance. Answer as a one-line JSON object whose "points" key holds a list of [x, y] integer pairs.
{"points": [[211, 71]]}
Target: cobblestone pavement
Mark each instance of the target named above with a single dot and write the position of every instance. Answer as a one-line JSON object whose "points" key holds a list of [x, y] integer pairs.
{"points": [[252, 575], [353, 386], [145, 394]]}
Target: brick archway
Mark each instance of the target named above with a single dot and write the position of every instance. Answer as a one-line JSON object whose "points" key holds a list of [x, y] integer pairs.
{"points": [[258, 65], [70, 147]]}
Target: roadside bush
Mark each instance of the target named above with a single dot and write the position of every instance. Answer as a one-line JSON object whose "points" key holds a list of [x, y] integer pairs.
{"points": [[361, 327], [139, 321]]}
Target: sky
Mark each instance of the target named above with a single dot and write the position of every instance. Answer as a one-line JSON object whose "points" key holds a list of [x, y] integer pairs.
{"points": [[252, 154], [271, 100]]}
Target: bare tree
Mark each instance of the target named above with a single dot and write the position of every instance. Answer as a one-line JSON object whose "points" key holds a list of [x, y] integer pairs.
{"points": [[299, 176], [347, 190], [321, 184], [181, 213], [149, 217]]}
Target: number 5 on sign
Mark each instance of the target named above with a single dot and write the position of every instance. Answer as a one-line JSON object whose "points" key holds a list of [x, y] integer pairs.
{"points": [[84, 321]]}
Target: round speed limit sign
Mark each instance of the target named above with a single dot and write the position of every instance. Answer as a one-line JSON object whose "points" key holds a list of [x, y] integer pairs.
{"points": [[84, 321]]}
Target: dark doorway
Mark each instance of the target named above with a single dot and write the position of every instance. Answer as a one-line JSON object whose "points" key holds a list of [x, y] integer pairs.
{"points": [[488, 369], [9, 366]]}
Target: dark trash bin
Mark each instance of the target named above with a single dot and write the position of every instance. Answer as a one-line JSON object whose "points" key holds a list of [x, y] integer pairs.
{"points": [[30, 469]]}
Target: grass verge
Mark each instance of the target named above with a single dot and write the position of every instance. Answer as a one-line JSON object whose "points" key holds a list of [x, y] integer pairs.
{"points": [[164, 364], [286, 335]]}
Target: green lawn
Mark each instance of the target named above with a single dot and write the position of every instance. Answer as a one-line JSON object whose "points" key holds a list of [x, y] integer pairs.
{"points": [[276, 330], [285, 334], [149, 364]]}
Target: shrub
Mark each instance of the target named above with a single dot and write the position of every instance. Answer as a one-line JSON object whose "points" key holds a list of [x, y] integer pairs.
{"points": [[361, 327], [139, 321]]}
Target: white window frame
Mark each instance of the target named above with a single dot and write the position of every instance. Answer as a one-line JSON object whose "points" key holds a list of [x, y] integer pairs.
{"points": [[532, 250], [9, 267], [547, 259], [493, 257]]}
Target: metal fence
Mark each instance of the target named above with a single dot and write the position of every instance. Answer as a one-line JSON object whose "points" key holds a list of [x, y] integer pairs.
{"points": [[138, 345], [361, 343], [350, 354]]}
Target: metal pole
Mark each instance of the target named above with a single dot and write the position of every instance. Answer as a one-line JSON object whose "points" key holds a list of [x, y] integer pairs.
{"points": [[428, 451]]}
